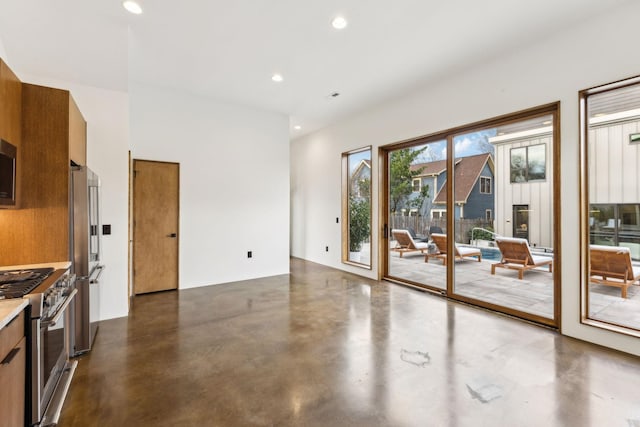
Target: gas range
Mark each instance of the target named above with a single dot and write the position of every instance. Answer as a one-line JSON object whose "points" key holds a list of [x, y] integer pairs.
{"points": [[45, 288], [17, 283], [50, 290]]}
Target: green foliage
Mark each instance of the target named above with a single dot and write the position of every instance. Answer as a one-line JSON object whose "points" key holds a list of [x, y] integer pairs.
{"points": [[359, 222], [418, 201], [401, 176], [481, 234]]}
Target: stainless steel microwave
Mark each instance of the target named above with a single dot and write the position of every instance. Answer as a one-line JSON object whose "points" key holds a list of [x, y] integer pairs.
{"points": [[7, 174]]}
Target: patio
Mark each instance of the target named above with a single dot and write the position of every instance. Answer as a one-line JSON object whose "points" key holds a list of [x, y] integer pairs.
{"points": [[533, 294]]}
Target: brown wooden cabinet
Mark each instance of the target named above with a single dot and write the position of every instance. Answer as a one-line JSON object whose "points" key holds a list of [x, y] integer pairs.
{"points": [[11, 118], [12, 373], [53, 133]]}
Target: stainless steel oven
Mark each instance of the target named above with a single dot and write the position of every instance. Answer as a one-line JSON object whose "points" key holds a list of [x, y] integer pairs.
{"points": [[50, 293]]}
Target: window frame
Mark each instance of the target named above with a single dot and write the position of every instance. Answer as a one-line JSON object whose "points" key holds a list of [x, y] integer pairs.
{"points": [[585, 206], [413, 185], [346, 192], [485, 179], [527, 165]]}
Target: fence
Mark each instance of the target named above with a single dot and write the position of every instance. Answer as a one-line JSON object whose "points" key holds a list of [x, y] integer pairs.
{"points": [[422, 224]]}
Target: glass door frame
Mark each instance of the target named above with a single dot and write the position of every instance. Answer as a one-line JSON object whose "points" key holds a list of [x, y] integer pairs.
{"points": [[553, 110]]}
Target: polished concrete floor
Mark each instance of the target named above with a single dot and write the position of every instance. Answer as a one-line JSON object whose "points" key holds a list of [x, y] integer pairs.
{"points": [[321, 347]]}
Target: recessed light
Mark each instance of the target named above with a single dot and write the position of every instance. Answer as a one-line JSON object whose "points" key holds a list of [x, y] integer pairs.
{"points": [[297, 127], [132, 7], [339, 23], [277, 78]]}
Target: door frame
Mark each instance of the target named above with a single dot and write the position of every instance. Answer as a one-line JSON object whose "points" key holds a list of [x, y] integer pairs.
{"points": [[131, 253], [552, 109]]}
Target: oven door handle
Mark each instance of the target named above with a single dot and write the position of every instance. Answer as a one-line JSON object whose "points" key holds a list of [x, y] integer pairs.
{"points": [[61, 310]]}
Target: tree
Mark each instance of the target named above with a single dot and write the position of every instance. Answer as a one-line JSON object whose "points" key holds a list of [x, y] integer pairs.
{"points": [[359, 214], [401, 176]]}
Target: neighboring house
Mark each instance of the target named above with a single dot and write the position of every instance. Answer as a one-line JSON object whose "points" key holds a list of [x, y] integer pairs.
{"points": [[614, 189], [361, 175], [524, 183], [474, 187]]}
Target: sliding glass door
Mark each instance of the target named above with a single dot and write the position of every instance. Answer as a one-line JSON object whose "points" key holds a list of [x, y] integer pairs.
{"points": [[417, 206], [506, 259], [470, 214]]}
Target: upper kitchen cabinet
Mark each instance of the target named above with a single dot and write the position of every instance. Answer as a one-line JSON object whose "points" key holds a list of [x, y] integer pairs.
{"points": [[11, 120], [10, 105], [53, 134], [77, 135]]}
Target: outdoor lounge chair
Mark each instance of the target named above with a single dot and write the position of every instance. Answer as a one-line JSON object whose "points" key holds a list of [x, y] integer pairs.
{"points": [[516, 255], [611, 266], [461, 252], [405, 243]]}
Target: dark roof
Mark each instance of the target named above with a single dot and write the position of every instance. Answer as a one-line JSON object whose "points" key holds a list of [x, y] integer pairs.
{"points": [[467, 172], [431, 168]]}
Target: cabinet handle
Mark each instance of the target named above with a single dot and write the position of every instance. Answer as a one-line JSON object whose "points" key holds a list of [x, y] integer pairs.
{"points": [[10, 356]]}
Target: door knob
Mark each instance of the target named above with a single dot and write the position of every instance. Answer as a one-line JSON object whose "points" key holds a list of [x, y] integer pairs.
{"points": [[172, 235]]}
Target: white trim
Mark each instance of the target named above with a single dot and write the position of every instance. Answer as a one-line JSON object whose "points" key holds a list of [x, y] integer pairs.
{"points": [[519, 135]]}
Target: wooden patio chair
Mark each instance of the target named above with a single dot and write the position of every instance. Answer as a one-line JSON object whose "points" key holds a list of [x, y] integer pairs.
{"points": [[461, 252], [516, 255], [405, 243], [611, 266]]}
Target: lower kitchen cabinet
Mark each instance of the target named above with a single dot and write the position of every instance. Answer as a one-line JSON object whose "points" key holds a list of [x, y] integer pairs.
{"points": [[13, 360]]}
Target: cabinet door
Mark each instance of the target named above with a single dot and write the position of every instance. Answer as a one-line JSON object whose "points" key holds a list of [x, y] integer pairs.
{"points": [[12, 386]]}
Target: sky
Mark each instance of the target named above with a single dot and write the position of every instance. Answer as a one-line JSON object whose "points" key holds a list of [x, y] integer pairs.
{"points": [[466, 145]]}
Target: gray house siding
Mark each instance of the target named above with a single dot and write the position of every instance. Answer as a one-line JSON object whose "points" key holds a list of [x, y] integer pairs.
{"points": [[478, 203]]}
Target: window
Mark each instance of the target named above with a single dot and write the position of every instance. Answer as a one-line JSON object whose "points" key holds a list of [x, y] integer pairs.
{"points": [[610, 214], [356, 207], [485, 185], [528, 163], [488, 215], [416, 185]]}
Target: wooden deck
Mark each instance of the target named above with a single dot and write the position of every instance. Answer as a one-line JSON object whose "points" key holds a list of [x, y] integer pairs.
{"points": [[533, 294]]}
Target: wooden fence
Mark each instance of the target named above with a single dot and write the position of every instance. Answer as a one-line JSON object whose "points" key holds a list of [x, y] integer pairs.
{"points": [[422, 225]]}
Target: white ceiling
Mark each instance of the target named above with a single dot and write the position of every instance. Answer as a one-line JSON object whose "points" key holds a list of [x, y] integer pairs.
{"points": [[229, 50]]}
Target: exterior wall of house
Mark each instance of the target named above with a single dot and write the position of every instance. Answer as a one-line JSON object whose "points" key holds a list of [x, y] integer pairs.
{"points": [[478, 202], [617, 160], [537, 195]]}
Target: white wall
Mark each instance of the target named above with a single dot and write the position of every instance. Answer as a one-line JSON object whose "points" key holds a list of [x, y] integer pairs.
{"points": [[234, 181], [592, 53], [107, 116]]}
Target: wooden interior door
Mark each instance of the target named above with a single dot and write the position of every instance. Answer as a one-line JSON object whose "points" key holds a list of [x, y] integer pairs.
{"points": [[155, 226]]}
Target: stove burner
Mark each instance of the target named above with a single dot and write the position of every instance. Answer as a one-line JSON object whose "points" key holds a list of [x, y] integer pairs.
{"points": [[17, 283]]}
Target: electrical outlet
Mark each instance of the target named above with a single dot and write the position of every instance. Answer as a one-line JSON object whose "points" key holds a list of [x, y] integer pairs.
{"points": [[326, 248], [337, 220], [249, 254]]}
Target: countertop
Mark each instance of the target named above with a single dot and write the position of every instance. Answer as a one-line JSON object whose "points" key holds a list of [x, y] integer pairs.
{"points": [[10, 308], [56, 265]]}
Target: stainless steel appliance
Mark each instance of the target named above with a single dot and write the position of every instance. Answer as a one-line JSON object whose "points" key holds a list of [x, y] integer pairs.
{"points": [[85, 249], [8, 154], [49, 373]]}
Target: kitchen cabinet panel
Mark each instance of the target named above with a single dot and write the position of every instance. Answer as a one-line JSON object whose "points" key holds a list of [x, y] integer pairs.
{"points": [[11, 119], [51, 126], [13, 373]]}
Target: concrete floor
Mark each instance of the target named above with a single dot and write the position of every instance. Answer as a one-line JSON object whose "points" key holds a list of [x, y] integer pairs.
{"points": [[321, 347]]}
